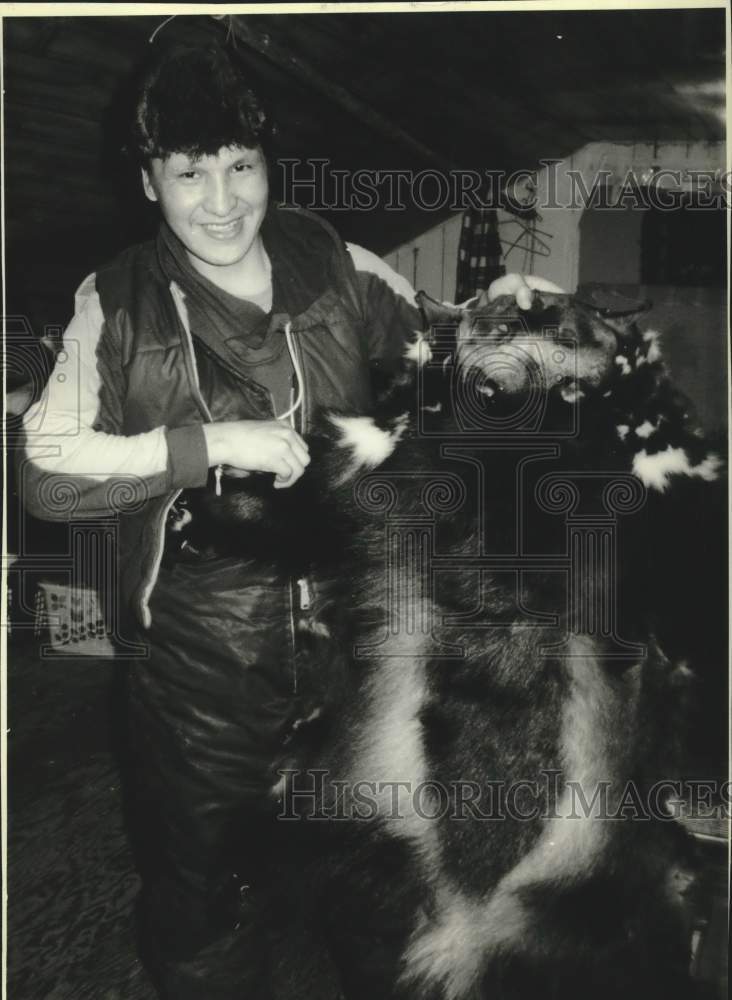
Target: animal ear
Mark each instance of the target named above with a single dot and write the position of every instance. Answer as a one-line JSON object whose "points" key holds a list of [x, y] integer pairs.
{"points": [[623, 323], [438, 313], [620, 312]]}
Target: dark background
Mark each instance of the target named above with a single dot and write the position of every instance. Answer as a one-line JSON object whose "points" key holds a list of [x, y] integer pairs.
{"points": [[481, 90]]}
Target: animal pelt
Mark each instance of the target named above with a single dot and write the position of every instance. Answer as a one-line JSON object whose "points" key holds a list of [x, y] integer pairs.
{"points": [[507, 601]]}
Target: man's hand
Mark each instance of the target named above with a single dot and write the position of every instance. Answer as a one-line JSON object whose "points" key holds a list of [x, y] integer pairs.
{"points": [[258, 446], [520, 286]]}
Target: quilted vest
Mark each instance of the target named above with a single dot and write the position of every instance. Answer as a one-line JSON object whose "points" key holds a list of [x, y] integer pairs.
{"points": [[173, 379]]}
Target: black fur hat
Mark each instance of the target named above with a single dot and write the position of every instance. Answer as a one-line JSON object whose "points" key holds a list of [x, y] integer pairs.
{"points": [[194, 101]]}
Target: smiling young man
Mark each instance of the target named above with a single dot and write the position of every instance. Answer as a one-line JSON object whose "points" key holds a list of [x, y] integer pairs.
{"points": [[207, 350], [213, 206], [209, 347]]}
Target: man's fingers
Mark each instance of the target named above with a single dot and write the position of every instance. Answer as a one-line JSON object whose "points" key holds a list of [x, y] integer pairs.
{"points": [[288, 469], [283, 470], [524, 297], [264, 446], [301, 452], [291, 434], [284, 476], [542, 284], [521, 286], [232, 472], [507, 284], [296, 444], [283, 481], [297, 457], [531, 283]]}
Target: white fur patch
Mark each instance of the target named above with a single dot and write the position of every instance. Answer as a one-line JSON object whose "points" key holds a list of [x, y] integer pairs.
{"points": [[571, 393], [279, 788], [449, 951], [452, 950], [622, 430], [392, 744], [620, 359], [683, 671], [437, 408], [656, 470], [371, 446], [708, 469], [654, 349], [419, 351], [678, 884], [314, 627], [315, 714], [185, 518], [390, 747], [645, 429]]}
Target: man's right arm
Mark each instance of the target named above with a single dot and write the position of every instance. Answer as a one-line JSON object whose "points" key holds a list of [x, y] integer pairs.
{"points": [[258, 446], [78, 462], [76, 459]]}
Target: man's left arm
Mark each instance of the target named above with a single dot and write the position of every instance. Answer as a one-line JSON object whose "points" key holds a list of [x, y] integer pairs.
{"points": [[389, 305]]}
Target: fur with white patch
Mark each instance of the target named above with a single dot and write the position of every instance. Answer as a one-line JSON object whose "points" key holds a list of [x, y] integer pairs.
{"points": [[486, 895], [370, 444], [419, 351], [656, 470]]}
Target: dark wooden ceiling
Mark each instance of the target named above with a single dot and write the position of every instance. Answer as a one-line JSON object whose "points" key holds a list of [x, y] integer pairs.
{"points": [[382, 91]]}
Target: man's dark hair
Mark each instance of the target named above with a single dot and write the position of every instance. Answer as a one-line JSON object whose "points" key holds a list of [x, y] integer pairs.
{"points": [[195, 101]]}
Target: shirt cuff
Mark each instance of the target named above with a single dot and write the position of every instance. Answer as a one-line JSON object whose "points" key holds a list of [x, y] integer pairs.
{"points": [[187, 457]]}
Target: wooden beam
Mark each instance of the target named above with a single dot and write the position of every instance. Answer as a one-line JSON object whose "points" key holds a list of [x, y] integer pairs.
{"points": [[275, 52]]}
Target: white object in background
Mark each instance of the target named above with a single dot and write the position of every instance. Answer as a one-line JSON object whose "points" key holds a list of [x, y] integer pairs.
{"points": [[73, 619]]}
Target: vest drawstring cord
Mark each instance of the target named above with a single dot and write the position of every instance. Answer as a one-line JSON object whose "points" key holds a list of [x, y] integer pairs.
{"points": [[290, 413]]}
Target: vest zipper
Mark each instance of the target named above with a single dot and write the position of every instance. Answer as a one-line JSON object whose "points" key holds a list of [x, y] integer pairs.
{"points": [[293, 641], [152, 580], [305, 600], [302, 583], [196, 383]]}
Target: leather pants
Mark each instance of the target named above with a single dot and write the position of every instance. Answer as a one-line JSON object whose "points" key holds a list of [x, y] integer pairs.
{"points": [[208, 710]]}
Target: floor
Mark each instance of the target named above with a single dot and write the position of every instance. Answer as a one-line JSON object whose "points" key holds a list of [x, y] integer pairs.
{"points": [[71, 881], [71, 885]]}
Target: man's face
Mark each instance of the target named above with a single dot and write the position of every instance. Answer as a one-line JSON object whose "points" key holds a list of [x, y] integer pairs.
{"points": [[214, 204]]}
